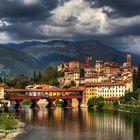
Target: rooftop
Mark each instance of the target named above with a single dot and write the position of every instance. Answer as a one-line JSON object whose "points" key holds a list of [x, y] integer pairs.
{"points": [[108, 83]]}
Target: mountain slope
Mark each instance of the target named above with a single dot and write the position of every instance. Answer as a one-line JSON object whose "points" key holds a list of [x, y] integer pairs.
{"points": [[16, 62], [58, 51]]}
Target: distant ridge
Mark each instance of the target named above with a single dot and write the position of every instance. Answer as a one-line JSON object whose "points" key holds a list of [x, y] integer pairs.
{"points": [[17, 62], [57, 51], [24, 57]]}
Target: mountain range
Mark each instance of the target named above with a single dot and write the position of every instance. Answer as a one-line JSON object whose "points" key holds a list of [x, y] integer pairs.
{"points": [[24, 57], [13, 62]]}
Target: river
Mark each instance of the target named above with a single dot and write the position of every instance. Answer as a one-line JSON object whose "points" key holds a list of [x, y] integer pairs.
{"points": [[78, 124]]}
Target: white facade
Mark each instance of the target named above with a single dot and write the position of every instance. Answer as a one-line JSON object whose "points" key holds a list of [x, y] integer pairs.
{"points": [[111, 91]]}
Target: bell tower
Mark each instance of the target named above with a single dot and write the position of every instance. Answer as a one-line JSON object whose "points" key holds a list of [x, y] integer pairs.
{"points": [[89, 60], [129, 60]]}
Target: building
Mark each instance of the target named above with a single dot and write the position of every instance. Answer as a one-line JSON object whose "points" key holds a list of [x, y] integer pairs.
{"points": [[1, 91], [107, 89], [80, 81], [43, 87], [111, 89], [129, 60], [99, 66], [89, 71], [71, 76], [89, 60], [95, 78], [111, 67], [90, 92], [69, 66]]}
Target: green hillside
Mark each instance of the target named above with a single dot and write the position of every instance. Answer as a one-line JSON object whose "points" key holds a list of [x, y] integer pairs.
{"points": [[17, 62]]}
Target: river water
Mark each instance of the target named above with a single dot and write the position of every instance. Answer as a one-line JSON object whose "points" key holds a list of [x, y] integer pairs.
{"points": [[79, 124]]}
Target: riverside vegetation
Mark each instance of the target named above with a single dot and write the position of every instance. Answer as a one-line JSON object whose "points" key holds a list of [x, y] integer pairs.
{"points": [[8, 124]]}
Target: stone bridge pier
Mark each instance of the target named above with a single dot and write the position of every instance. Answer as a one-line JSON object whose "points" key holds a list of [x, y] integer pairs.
{"points": [[18, 105], [34, 104], [51, 104]]}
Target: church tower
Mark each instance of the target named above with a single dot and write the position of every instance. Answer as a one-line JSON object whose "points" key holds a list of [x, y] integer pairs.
{"points": [[89, 60], [129, 60]]}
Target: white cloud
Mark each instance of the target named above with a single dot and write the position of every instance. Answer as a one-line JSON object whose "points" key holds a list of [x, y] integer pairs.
{"points": [[125, 22], [4, 37], [4, 23], [30, 2], [87, 20]]}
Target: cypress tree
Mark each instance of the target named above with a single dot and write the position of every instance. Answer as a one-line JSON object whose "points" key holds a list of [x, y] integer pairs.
{"points": [[138, 78]]}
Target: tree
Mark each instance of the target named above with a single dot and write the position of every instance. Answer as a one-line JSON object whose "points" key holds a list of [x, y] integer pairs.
{"points": [[60, 74], [20, 81], [100, 101], [49, 73], [34, 76], [134, 80], [96, 101], [50, 76], [39, 75], [91, 102], [82, 73], [1, 80], [138, 78]]}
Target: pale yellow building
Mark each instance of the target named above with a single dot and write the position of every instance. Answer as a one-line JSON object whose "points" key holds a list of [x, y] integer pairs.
{"points": [[1, 91], [71, 76], [99, 66], [107, 89]]}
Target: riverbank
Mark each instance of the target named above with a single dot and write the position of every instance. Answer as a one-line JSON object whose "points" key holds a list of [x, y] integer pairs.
{"points": [[11, 134], [9, 127]]}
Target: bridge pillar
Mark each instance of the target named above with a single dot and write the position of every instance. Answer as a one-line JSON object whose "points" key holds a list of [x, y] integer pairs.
{"points": [[34, 104], [67, 103], [79, 102], [18, 105], [51, 104]]}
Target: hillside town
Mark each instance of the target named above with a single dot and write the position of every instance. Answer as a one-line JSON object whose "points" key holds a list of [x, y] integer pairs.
{"points": [[109, 80]]}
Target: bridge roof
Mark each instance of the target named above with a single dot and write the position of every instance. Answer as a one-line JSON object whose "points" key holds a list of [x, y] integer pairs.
{"points": [[13, 90]]}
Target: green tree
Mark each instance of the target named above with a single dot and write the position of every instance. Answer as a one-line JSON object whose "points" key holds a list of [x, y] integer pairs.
{"points": [[50, 76], [91, 101], [20, 81], [138, 78], [1, 80], [96, 101], [82, 73], [34, 76], [134, 80], [60, 74]]}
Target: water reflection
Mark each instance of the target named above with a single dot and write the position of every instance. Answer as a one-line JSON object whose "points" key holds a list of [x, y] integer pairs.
{"points": [[78, 124]]}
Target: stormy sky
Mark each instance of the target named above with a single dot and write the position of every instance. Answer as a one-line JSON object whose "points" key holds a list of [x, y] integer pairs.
{"points": [[114, 22]]}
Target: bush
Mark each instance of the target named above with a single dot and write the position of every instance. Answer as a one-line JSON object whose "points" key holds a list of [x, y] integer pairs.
{"points": [[7, 122], [96, 101]]}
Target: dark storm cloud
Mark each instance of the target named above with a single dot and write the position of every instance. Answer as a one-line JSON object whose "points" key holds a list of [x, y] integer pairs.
{"points": [[23, 31], [24, 18], [105, 20], [123, 8], [16, 9]]}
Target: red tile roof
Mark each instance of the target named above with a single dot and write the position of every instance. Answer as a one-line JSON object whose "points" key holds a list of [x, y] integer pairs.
{"points": [[118, 83]]}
